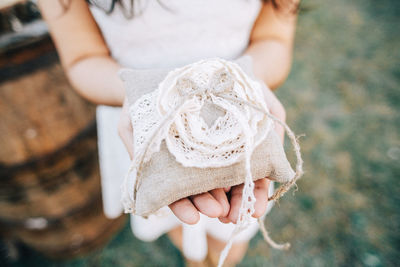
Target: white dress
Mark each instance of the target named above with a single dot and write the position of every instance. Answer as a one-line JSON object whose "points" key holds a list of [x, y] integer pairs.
{"points": [[178, 33]]}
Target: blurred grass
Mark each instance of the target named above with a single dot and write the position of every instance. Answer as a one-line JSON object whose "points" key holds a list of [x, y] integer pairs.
{"points": [[343, 94]]}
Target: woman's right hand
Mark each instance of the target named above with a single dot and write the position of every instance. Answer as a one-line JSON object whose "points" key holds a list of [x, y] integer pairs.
{"points": [[213, 204]]}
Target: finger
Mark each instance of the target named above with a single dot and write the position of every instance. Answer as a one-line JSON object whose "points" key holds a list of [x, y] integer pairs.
{"points": [[224, 219], [125, 129], [185, 211], [276, 108], [207, 204], [227, 189], [127, 139], [274, 105], [220, 196], [261, 194], [236, 199]]}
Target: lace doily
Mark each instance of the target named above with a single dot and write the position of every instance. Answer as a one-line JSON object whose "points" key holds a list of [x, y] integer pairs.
{"points": [[194, 141]]}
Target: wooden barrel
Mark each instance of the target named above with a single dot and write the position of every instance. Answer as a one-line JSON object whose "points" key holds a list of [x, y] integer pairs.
{"points": [[50, 196]]}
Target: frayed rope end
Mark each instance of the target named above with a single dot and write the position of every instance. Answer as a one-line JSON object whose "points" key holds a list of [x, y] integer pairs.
{"points": [[268, 239]]}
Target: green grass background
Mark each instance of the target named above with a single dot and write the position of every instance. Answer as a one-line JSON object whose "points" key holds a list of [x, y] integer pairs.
{"points": [[343, 94]]}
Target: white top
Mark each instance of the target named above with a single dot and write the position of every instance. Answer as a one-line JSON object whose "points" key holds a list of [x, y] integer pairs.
{"points": [[176, 34], [189, 30]]}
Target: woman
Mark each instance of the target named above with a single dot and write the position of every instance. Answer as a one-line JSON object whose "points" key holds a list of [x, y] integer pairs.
{"points": [[95, 40]]}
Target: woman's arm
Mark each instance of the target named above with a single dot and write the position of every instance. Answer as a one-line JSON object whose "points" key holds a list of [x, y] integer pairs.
{"points": [[83, 52], [271, 44]]}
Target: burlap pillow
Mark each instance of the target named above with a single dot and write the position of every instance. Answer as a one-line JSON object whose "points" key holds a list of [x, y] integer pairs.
{"points": [[163, 180]]}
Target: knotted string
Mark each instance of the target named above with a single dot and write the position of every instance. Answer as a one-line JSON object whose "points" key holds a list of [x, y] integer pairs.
{"points": [[248, 199]]}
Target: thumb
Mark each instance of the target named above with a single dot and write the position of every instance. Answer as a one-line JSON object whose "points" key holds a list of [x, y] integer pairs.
{"points": [[125, 129], [276, 108]]}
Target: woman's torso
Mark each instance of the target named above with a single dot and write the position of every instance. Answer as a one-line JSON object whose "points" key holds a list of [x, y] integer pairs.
{"points": [[178, 32]]}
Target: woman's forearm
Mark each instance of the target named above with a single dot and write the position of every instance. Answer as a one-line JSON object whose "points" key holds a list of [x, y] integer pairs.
{"points": [[272, 60], [96, 79], [271, 43], [83, 52]]}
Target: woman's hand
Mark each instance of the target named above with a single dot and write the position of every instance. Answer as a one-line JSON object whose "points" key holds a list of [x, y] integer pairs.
{"points": [[215, 203]]}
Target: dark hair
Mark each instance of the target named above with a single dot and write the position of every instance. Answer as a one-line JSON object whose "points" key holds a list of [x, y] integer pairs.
{"points": [[129, 11], [286, 5]]}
